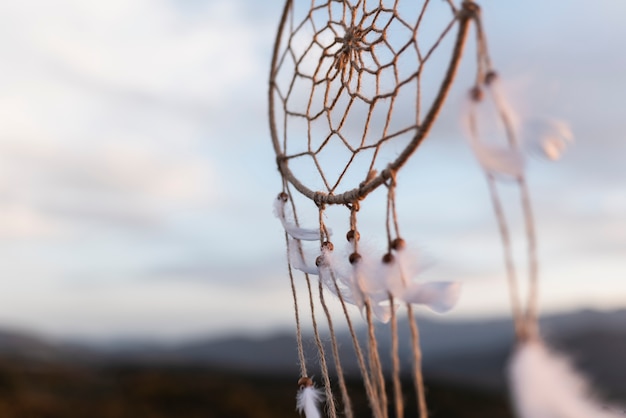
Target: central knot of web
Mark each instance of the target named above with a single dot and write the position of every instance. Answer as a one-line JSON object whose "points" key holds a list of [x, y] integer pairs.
{"points": [[352, 43]]}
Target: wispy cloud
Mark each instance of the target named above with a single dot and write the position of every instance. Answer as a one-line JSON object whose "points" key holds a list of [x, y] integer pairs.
{"points": [[137, 175]]}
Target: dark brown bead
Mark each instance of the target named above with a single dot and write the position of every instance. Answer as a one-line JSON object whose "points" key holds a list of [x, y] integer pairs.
{"points": [[353, 235], [471, 7], [327, 245], [476, 94], [398, 244], [490, 77], [319, 260], [354, 257], [388, 258], [305, 382], [283, 196]]}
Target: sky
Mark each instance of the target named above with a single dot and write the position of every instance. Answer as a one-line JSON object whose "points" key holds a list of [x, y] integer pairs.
{"points": [[137, 173]]}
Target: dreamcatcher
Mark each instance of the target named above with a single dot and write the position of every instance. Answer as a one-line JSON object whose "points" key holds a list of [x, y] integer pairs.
{"points": [[347, 109], [355, 88]]}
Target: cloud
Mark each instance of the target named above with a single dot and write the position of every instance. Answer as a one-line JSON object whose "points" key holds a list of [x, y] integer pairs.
{"points": [[252, 272], [103, 106], [151, 46], [116, 182], [135, 161], [19, 222], [164, 310]]}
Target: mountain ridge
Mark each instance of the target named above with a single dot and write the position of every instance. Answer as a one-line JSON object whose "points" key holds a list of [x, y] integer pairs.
{"points": [[468, 352]]}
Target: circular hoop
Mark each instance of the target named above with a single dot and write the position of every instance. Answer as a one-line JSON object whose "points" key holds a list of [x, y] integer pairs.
{"points": [[463, 17]]}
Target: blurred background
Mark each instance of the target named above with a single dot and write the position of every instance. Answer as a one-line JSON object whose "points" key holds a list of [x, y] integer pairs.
{"points": [[136, 185]]}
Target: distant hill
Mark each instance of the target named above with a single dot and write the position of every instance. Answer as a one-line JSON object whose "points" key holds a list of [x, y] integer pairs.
{"points": [[464, 352]]}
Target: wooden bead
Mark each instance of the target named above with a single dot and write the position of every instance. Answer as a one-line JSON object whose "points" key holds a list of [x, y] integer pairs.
{"points": [[490, 77], [476, 94], [353, 235], [398, 244], [354, 257], [305, 382]]}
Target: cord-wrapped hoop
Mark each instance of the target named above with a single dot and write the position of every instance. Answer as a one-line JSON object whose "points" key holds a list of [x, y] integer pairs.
{"points": [[343, 64]]}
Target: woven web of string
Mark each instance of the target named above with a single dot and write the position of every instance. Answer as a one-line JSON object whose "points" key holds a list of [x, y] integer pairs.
{"points": [[348, 84]]}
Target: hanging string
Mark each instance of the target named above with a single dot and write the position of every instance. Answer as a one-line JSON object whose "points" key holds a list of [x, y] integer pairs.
{"points": [[530, 322], [330, 401], [533, 263], [507, 248], [395, 362], [526, 323], [420, 391], [398, 244], [388, 258], [347, 403], [301, 358], [417, 363], [375, 365], [374, 357], [367, 382], [300, 346]]}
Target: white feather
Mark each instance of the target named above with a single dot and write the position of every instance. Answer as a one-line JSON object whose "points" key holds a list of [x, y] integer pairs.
{"points": [[496, 160], [544, 385], [331, 278], [297, 261], [307, 402], [326, 275], [397, 275], [349, 288], [546, 137], [370, 281], [304, 234], [355, 283], [382, 312], [482, 126], [506, 162], [438, 296]]}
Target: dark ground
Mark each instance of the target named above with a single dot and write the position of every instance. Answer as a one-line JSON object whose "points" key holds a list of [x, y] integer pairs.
{"points": [[245, 377], [119, 391]]}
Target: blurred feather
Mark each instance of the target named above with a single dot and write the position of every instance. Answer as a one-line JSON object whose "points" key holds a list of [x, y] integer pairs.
{"points": [[438, 296], [546, 137], [382, 312], [544, 385], [500, 161]]}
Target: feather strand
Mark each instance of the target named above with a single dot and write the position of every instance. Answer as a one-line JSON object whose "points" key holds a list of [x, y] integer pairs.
{"points": [[307, 402], [304, 234]]}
